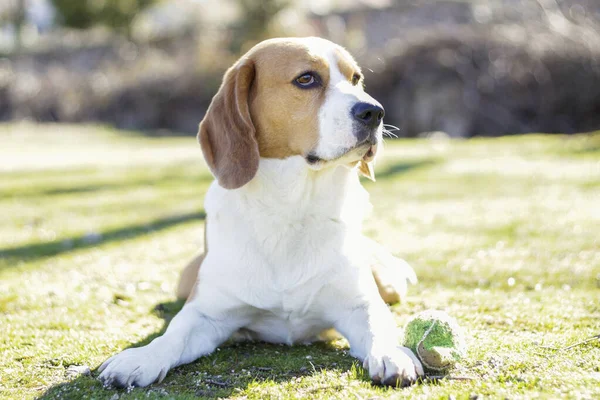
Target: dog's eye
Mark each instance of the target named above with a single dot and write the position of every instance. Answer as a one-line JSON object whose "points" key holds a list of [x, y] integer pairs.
{"points": [[306, 80], [355, 79]]}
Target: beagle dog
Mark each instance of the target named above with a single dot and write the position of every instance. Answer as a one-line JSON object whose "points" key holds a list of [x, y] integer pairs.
{"points": [[286, 136]]}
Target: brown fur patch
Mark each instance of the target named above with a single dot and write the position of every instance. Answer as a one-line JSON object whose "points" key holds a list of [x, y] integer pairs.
{"points": [[226, 134], [286, 116], [188, 280]]}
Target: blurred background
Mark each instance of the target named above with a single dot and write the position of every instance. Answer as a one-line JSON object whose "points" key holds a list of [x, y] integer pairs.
{"points": [[462, 67], [102, 183]]}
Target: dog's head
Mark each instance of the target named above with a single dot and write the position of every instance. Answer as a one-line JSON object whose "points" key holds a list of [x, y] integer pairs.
{"points": [[289, 97]]}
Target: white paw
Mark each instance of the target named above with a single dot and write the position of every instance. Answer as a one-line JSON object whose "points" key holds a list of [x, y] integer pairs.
{"points": [[396, 366], [139, 366]]}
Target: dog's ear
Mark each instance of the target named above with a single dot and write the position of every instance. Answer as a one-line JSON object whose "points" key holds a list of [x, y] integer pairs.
{"points": [[226, 134]]}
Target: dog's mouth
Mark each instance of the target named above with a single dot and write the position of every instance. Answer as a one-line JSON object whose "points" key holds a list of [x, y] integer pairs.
{"points": [[365, 152], [370, 154]]}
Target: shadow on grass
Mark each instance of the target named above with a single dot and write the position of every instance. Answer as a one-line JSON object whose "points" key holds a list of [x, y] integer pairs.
{"points": [[36, 251], [403, 167], [232, 368], [174, 178]]}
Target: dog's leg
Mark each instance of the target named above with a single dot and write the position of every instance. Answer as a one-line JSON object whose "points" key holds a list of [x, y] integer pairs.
{"points": [[189, 277], [191, 334], [373, 337], [359, 313], [391, 274]]}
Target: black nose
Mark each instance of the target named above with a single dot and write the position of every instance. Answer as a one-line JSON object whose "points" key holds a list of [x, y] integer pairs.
{"points": [[368, 114]]}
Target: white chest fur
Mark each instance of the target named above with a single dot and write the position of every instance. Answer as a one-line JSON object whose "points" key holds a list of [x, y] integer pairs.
{"points": [[277, 241]]}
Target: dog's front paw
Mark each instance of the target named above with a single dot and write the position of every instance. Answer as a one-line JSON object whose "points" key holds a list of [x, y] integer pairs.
{"points": [[133, 367], [396, 366]]}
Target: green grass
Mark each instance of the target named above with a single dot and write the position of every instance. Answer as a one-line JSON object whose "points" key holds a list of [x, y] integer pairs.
{"points": [[95, 226]]}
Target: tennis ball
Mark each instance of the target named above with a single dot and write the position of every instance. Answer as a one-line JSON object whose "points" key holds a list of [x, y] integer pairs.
{"points": [[436, 339]]}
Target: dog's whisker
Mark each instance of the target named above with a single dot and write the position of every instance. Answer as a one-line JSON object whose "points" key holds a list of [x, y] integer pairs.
{"points": [[389, 134]]}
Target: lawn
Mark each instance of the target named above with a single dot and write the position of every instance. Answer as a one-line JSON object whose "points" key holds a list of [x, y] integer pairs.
{"points": [[96, 224]]}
